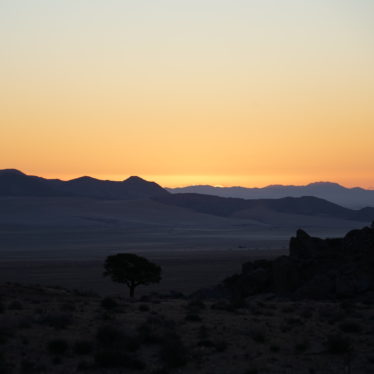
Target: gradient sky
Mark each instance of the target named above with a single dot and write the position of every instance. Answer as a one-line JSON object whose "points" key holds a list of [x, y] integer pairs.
{"points": [[225, 92]]}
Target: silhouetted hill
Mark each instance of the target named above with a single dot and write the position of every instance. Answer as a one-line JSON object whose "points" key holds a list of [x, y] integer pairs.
{"points": [[71, 202], [349, 197], [226, 207], [16, 183]]}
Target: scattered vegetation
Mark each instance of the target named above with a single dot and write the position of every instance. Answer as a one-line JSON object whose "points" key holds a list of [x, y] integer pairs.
{"points": [[173, 353], [57, 346], [83, 347], [109, 303], [338, 344]]}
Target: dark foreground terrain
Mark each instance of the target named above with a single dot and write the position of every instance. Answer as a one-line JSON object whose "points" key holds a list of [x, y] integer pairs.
{"points": [[309, 312], [47, 330]]}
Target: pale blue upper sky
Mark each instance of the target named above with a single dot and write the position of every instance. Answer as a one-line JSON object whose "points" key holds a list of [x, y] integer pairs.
{"points": [[257, 74]]}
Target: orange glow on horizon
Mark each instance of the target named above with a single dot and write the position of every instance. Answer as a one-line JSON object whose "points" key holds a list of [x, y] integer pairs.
{"points": [[253, 181], [193, 92]]}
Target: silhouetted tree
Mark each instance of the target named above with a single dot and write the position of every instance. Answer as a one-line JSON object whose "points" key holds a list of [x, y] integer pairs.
{"points": [[132, 270]]}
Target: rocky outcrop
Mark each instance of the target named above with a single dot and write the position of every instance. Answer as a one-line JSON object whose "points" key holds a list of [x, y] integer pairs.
{"points": [[315, 268]]}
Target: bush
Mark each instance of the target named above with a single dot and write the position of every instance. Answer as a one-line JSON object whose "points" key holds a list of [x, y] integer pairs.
{"points": [[144, 308], [173, 353], [110, 338], [205, 343], [118, 359], [59, 321], [109, 335], [150, 331], [148, 334], [301, 347], [15, 305], [132, 343], [57, 346], [83, 347], [109, 303], [6, 332], [68, 307], [350, 327], [193, 317], [251, 371], [258, 335], [203, 332], [338, 344], [29, 367], [196, 305], [220, 345]]}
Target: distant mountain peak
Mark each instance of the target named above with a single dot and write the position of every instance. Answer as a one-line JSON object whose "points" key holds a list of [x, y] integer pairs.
{"points": [[349, 197], [134, 178], [324, 183], [85, 178], [11, 172]]}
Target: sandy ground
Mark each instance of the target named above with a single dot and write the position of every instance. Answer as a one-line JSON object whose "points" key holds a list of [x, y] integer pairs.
{"points": [[183, 271], [191, 258]]}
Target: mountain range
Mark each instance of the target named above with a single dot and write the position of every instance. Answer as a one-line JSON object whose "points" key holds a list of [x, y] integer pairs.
{"points": [[15, 183], [136, 202], [353, 198]]}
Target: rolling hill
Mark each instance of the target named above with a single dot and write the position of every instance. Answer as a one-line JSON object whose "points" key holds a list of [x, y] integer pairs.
{"points": [[354, 198], [135, 202]]}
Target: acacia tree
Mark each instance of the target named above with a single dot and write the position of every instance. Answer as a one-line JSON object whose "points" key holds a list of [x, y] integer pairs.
{"points": [[132, 270]]}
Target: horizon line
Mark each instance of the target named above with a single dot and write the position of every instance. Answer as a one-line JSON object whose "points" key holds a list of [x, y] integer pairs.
{"points": [[112, 178]]}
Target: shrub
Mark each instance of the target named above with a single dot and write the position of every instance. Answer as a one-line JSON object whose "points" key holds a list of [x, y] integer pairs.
{"points": [[173, 352], [83, 347], [193, 317], [6, 332], [205, 343], [258, 335], [25, 322], [160, 371], [301, 346], [85, 366], [68, 307], [220, 345], [118, 359], [203, 332], [110, 338], [15, 305], [338, 344], [59, 321], [195, 305], [57, 346], [109, 303], [29, 367], [274, 348], [350, 327], [109, 335], [251, 371], [152, 329], [294, 321], [144, 308], [148, 334], [132, 343]]}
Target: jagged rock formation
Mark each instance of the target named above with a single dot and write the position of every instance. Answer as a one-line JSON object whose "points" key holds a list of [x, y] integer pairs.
{"points": [[315, 268]]}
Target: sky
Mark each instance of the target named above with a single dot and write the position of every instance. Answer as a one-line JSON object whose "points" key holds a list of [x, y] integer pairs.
{"points": [[222, 92]]}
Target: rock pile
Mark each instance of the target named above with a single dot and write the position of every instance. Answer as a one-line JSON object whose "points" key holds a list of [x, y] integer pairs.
{"points": [[315, 268]]}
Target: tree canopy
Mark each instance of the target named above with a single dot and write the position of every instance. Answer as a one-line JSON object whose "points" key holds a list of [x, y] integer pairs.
{"points": [[132, 270]]}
